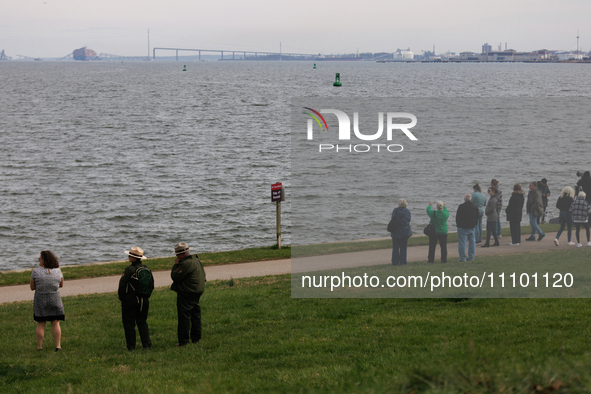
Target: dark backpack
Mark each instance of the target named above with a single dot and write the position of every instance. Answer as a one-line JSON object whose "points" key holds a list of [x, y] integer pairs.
{"points": [[142, 281]]}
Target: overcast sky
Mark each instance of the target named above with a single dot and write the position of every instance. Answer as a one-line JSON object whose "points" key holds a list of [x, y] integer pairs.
{"points": [[53, 28]]}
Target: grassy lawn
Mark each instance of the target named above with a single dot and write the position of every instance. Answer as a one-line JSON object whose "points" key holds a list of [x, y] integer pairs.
{"points": [[258, 339]]}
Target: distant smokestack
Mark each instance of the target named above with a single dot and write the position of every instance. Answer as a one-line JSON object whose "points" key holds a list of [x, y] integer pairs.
{"points": [[505, 46]]}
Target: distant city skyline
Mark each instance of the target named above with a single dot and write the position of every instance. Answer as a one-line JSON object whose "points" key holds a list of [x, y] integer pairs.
{"points": [[54, 28]]}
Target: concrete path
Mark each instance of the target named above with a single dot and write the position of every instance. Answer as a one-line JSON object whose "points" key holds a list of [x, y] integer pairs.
{"points": [[109, 284]]}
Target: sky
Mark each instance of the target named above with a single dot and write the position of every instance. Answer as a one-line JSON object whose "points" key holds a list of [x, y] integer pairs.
{"points": [[54, 28]]}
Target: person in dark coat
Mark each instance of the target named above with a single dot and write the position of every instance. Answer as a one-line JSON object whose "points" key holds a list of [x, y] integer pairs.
{"points": [[134, 309], [514, 213], [402, 234], [565, 217], [466, 220], [585, 184], [188, 281], [545, 190]]}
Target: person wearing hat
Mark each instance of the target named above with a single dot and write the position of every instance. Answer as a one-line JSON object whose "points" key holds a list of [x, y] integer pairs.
{"points": [[188, 281], [134, 307]]}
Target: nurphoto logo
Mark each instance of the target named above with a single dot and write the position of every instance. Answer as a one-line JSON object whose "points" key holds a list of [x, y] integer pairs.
{"points": [[344, 130]]}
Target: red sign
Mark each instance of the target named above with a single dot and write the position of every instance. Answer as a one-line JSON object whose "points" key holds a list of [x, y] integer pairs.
{"points": [[276, 192]]}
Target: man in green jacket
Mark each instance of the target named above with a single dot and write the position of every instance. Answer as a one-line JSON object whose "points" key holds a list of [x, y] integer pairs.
{"points": [[188, 280]]}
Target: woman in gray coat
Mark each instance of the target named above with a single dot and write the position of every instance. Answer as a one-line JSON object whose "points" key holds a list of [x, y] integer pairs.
{"points": [[47, 305]]}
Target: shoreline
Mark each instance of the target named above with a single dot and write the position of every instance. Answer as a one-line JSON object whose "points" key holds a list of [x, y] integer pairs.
{"points": [[548, 228]]}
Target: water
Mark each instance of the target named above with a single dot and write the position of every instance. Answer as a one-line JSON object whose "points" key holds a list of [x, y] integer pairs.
{"points": [[98, 157]]}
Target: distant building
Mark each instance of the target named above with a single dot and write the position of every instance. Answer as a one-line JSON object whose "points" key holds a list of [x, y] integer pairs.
{"points": [[486, 48], [469, 57], [404, 55], [500, 56], [569, 55]]}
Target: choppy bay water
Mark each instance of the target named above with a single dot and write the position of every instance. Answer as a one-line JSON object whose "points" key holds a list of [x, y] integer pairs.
{"points": [[98, 157]]}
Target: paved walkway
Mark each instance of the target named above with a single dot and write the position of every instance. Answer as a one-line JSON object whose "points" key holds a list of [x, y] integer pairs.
{"points": [[109, 284]]}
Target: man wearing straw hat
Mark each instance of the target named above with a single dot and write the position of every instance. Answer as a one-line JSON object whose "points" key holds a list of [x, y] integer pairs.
{"points": [[134, 304], [188, 280]]}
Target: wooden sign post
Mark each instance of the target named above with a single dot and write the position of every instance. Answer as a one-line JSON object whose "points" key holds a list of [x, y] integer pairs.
{"points": [[277, 196]]}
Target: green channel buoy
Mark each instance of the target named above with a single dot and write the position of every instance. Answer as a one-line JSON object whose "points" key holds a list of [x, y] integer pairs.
{"points": [[314, 65], [185, 67], [337, 80]]}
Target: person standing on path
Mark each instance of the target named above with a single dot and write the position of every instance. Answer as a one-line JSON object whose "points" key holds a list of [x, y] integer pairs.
{"points": [[491, 217], [439, 222], [134, 303], [499, 195], [514, 213], [535, 209], [565, 217], [188, 281], [402, 234], [478, 199], [545, 190], [581, 210], [47, 305], [585, 184], [466, 219]]}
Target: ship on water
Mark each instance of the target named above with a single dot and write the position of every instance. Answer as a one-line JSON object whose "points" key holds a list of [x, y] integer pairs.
{"points": [[85, 54]]}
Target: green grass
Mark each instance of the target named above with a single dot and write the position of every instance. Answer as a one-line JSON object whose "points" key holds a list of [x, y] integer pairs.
{"points": [[562, 273], [156, 264], [258, 339]]}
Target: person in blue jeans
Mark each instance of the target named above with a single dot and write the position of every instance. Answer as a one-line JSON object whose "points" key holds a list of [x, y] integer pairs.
{"points": [[478, 199], [402, 234], [565, 217], [466, 219], [535, 209]]}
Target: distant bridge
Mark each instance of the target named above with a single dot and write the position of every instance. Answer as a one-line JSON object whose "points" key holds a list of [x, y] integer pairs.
{"points": [[252, 53]]}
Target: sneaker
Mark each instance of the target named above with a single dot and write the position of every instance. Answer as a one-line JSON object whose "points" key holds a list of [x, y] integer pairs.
{"points": [[541, 237], [571, 243], [579, 245], [531, 239], [588, 243], [556, 242], [512, 244], [500, 236]]}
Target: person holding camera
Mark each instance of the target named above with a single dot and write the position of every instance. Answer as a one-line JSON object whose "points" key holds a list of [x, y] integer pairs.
{"points": [[439, 222]]}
